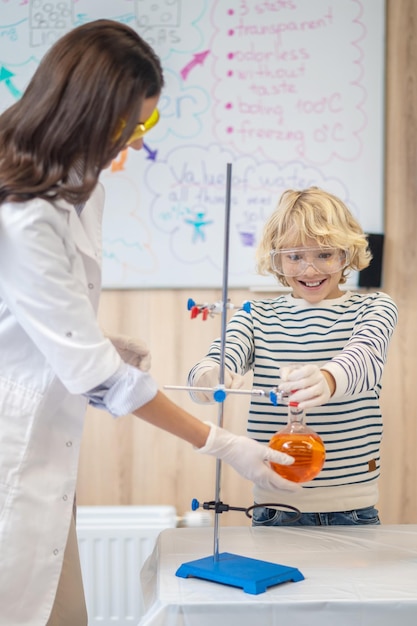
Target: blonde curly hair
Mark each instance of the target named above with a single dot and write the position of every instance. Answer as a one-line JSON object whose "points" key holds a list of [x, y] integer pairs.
{"points": [[312, 214]]}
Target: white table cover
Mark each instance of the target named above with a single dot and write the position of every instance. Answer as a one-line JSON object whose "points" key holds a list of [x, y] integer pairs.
{"points": [[354, 576]]}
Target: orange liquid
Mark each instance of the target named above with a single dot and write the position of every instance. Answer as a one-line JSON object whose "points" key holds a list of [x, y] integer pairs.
{"points": [[308, 451]]}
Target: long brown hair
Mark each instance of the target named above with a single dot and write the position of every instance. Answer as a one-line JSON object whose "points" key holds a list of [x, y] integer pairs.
{"points": [[92, 78]]}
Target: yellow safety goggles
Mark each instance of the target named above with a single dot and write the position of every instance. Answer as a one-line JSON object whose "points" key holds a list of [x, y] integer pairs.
{"points": [[143, 127]]}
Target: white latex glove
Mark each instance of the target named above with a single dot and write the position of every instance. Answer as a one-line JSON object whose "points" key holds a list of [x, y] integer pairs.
{"points": [[306, 384], [208, 376], [132, 351], [249, 458]]}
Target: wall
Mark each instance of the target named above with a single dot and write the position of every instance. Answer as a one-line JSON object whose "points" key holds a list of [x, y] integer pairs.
{"points": [[398, 491], [127, 461]]}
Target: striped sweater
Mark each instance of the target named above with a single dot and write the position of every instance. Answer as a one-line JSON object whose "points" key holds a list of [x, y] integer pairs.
{"points": [[349, 337]]}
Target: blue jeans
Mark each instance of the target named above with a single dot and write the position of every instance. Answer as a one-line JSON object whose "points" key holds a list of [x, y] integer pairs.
{"points": [[264, 516]]}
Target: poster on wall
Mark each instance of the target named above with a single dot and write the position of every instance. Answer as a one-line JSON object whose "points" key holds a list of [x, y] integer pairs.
{"points": [[290, 92]]}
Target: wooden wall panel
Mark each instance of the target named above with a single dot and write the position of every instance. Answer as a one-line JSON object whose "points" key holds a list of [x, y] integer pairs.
{"points": [[398, 499], [126, 461]]}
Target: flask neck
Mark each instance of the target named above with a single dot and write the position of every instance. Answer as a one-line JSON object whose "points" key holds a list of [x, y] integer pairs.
{"points": [[295, 414]]}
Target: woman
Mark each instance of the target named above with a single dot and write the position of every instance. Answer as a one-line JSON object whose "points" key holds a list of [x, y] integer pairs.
{"points": [[94, 93]]}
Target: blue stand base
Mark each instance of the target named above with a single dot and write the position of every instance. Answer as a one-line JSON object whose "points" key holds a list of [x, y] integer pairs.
{"points": [[252, 575]]}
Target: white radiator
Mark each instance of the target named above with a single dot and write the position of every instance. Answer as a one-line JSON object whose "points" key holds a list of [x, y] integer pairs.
{"points": [[114, 542]]}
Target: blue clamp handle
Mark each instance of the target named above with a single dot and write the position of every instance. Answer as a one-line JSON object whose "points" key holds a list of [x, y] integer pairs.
{"points": [[273, 398], [190, 304], [219, 395], [246, 306], [194, 504]]}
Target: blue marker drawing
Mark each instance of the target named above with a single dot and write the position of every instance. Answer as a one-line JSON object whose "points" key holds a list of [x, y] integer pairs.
{"points": [[6, 76], [198, 222]]}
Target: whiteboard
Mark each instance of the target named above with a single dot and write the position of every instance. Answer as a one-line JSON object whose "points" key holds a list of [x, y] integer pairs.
{"points": [[290, 92]]}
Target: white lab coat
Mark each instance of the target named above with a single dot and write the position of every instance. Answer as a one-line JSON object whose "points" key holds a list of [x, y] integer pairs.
{"points": [[51, 351]]}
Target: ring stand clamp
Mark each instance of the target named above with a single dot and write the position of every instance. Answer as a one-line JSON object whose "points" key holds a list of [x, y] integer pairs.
{"points": [[252, 575]]}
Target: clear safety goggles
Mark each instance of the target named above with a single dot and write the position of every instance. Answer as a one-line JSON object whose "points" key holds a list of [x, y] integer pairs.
{"points": [[295, 261]]}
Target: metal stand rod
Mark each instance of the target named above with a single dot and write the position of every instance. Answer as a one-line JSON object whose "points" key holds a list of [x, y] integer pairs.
{"points": [[222, 344]]}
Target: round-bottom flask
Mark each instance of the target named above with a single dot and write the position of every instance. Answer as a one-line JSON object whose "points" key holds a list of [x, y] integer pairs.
{"points": [[300, 442]]}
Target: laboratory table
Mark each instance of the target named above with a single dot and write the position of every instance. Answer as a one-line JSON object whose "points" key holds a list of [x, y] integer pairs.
{"points": [[353, 576]]}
